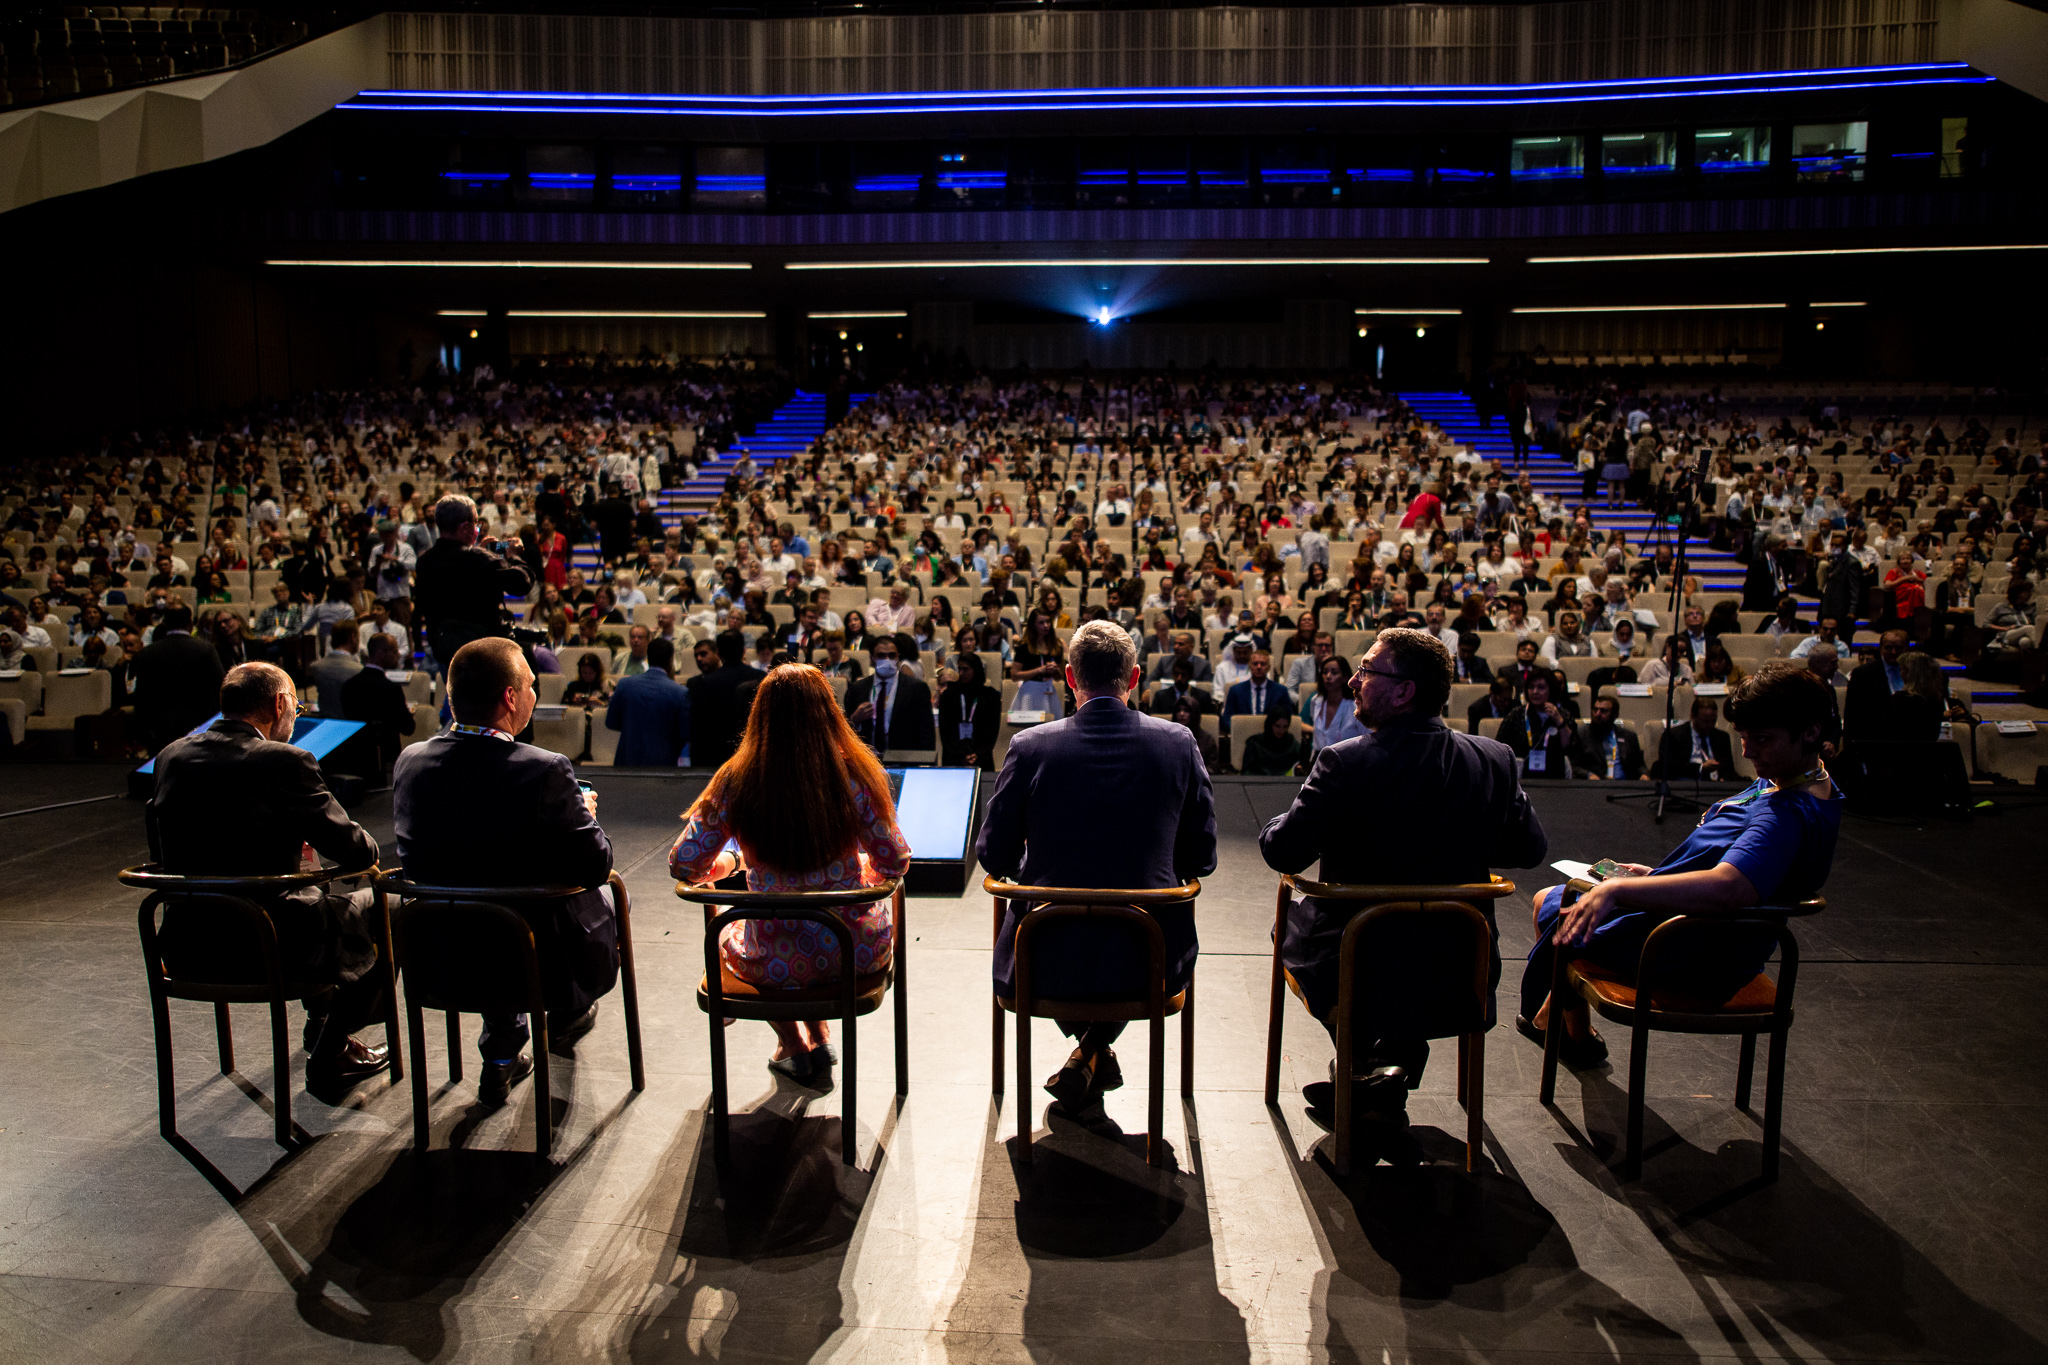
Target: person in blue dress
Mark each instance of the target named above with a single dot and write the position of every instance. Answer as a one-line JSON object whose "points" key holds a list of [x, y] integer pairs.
{"points": [[1770, 844]]}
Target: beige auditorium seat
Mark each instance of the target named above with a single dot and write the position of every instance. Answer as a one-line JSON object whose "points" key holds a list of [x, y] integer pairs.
{"points": [[67, 696], [15, 713], [425, 725], [2017, 757], [26, 688], [565, 735], [604, 741], [549, 687]]}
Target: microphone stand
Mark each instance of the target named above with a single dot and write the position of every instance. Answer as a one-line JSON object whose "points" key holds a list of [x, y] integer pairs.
{"points": [[1687, 518]]}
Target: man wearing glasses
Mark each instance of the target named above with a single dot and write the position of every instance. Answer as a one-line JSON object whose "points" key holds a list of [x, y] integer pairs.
{"points": [[1411, 802], [238, 800]]}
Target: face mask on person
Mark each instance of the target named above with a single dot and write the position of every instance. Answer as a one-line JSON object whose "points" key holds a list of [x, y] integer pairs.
{"points": [[885, 668]]}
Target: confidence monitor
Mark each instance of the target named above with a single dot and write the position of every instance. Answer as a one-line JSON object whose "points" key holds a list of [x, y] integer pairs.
{"points": [[317, 736], [936, 810]]}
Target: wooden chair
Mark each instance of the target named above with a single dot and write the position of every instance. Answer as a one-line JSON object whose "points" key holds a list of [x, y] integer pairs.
{"points": [[1762, 1006], [252, 972], [1131, 907], [1377, 907], [465, 949], [722, 995]]}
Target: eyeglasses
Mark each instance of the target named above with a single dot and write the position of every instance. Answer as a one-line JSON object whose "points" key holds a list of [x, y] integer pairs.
{"points": [[1383, 673]]}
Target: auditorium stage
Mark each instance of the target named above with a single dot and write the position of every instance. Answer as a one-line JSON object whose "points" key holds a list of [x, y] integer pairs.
{"points": [[1911, 1221]]}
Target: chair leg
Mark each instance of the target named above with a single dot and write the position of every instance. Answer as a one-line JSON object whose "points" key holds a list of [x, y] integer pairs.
{"points": [[1155, 1100], [1023, 1086], [1472, 1081], [416, 1031], [1343, 1099], [1276, 1022], [281, 1082], [1553, 1043], [1774, 1100], [543, 1104], [629, 981], [454, 1018], [1638, 1082], [224, 1033], [1745, 1071], [1187, 1045], [388, 964], [721, 1129], [849, 1078], [903, 1040], [166, 1075], [996, 1079], [1464, 1066]]}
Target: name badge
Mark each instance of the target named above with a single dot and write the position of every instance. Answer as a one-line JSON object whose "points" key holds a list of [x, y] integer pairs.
{"points": [[1539, 759], [966, 730]]}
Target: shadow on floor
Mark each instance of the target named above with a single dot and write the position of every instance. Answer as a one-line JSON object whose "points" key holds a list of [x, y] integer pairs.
{"points": [[1091, 1255], [1800, 1267]]}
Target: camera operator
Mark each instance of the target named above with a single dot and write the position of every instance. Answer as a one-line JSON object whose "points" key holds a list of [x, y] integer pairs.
{"points": [[460, 586]]}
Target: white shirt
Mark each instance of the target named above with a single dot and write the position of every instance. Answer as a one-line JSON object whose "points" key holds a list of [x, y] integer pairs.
{"points": [[1229, 674]]}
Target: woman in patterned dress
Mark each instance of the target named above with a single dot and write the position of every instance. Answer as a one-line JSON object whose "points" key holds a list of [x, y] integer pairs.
{"points": [[802, 806]]}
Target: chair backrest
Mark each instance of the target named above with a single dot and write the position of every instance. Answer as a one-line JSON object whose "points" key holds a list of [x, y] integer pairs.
{"points": [[1680, 934], [1414, 960], [78, 694], [225, 937], [26, 689], [1121, 905], [467, 948]]}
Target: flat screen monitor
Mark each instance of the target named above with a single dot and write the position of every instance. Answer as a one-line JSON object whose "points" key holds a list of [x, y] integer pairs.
{"points": [[935, 810], [317, 736]]}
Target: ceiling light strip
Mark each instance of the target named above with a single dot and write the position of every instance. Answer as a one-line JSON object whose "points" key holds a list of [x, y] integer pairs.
{"points": [[622, 313], [1081, 264], [1657, 308], [1408, 312], [530, 265], [884, 313], [1806, 251]]}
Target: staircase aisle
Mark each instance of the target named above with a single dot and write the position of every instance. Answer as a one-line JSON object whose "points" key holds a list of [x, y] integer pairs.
{"points": [[1717, 570]]}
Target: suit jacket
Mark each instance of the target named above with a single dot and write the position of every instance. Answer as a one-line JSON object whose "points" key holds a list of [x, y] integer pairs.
{"points": [[1238, 701], [474, 810], [177, 682], [372, 697], [1412, 802], [1162, 668], [651, 712], [1164, 699], [229, 802], [1589, 758], [1674, 753], [910, 716], [984, 707], [1108, 797], [718, 713], [1866, 705], [1479, 671]]}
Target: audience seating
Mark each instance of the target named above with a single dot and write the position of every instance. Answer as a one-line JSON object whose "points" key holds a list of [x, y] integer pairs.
{"points": [[1762, 1006], [16, 713], [67, 696], [250, 972], [465, 950], [721, 995], [604, 741], [1124, 906], [1398, 999], [567, 734]]}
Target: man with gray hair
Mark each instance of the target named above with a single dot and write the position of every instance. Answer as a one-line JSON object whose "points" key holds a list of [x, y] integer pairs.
{"points": [[1108, 797], [460, 586]]}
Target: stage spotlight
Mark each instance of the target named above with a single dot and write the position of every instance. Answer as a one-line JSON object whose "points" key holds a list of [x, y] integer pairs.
{"points": [[472, 334], [842, 334], [1820, 326], [1421, 331], [1102, 317]]}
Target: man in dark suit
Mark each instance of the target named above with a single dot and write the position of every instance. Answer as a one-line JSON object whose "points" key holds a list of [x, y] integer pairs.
{"points": [[1168, 695], [614, 518], [1495, 705], [474, 807], [1866, 705], [1466, 665], [1413, 802], [1605, 748], [459, 587], [903, 705], [238, 800], [1108, 797], [1258, 695], [651, 712], [371, 697], [719, 701], [177, 679], [1697, 747]]}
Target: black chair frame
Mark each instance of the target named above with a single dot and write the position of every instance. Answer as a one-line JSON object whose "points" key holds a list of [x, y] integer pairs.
{"points": [[1128, 906], [1379, 903], [1646, 1017], [241, 897], [493, 902], [824, 909]]}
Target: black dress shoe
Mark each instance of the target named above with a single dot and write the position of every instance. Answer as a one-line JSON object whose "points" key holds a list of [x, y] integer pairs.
{"points": [[495, 1087], [561, 1035], [330, 1078], [311, 1033]]}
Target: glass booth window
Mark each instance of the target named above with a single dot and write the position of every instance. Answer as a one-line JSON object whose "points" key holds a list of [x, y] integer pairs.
{"points": [[731, 177], [1722, 150], [1638, 153], [1955, 133], [560, 175], [477, 173], [647, 175], [970, 175], [1547, 158], [1830, 151], [887, 174]]}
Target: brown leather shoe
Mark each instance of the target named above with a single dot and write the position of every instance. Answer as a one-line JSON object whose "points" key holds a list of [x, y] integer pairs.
{"points": [[1072, 1083]]}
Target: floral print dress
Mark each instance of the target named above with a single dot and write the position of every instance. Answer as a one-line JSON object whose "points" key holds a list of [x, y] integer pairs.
{"points": [[798, 953]]}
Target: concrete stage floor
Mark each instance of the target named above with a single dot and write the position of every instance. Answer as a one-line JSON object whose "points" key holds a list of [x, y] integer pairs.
{"points": [[1911, 1222]]}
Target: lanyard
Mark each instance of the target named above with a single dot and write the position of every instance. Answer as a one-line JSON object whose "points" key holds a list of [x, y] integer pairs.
{"points": [[461, 729]]}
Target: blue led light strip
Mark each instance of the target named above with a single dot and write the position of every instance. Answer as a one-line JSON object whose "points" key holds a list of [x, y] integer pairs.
{"points": [[887, 183]]}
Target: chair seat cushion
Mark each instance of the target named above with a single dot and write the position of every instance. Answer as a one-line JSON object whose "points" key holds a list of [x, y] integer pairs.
{"points": [[751, 1000], [1612, 993]]}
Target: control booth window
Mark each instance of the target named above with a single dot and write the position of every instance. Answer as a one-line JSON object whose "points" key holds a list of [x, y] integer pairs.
{"points": [[1638, 154], [1295, 172], [560, 175], [1547, 158], [477, 173], [647, 176], [1102, 174], [969, 176], [1222, 171], [731, 177], [1830, 151], [1724, 151], [887, 175]]}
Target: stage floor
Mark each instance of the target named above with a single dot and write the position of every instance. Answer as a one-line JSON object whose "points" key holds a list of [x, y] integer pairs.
{"points": [[1910, 1223]]}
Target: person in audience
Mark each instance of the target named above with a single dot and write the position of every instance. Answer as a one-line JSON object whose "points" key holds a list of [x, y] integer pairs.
{"points": [[372, 697], [1328, 713], [1188, 713], [1108, 797], [1867, 702], [1273, 752], [1539, 731], [1411, 802], [1696, 747], [719, 701], [889, 709], [239, 800], [970, 716], [335, 668], [1036, 666], [1183, 652], [1675, 662], [808, 807], [1466, 665], [1303, 668], [1568, 642], [1823, 634], [1606, 748], [473, 807], [1919, 707], [177, 680], [1501, 697], [460, 585], [1178, 688], [637, 638], [13, 654], [1719, 666], [592, 685], [651, 712], [1771, 844], [1258, 694]]}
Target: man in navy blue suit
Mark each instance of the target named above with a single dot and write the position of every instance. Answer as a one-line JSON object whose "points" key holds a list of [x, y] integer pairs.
{"points": [[473, 807], [1413, 802], [651, 712], [1108, 797], [1258, 695]]}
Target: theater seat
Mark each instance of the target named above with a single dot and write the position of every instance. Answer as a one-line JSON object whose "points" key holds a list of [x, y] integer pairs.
{"points": [[16, 715], [66, 697]]}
